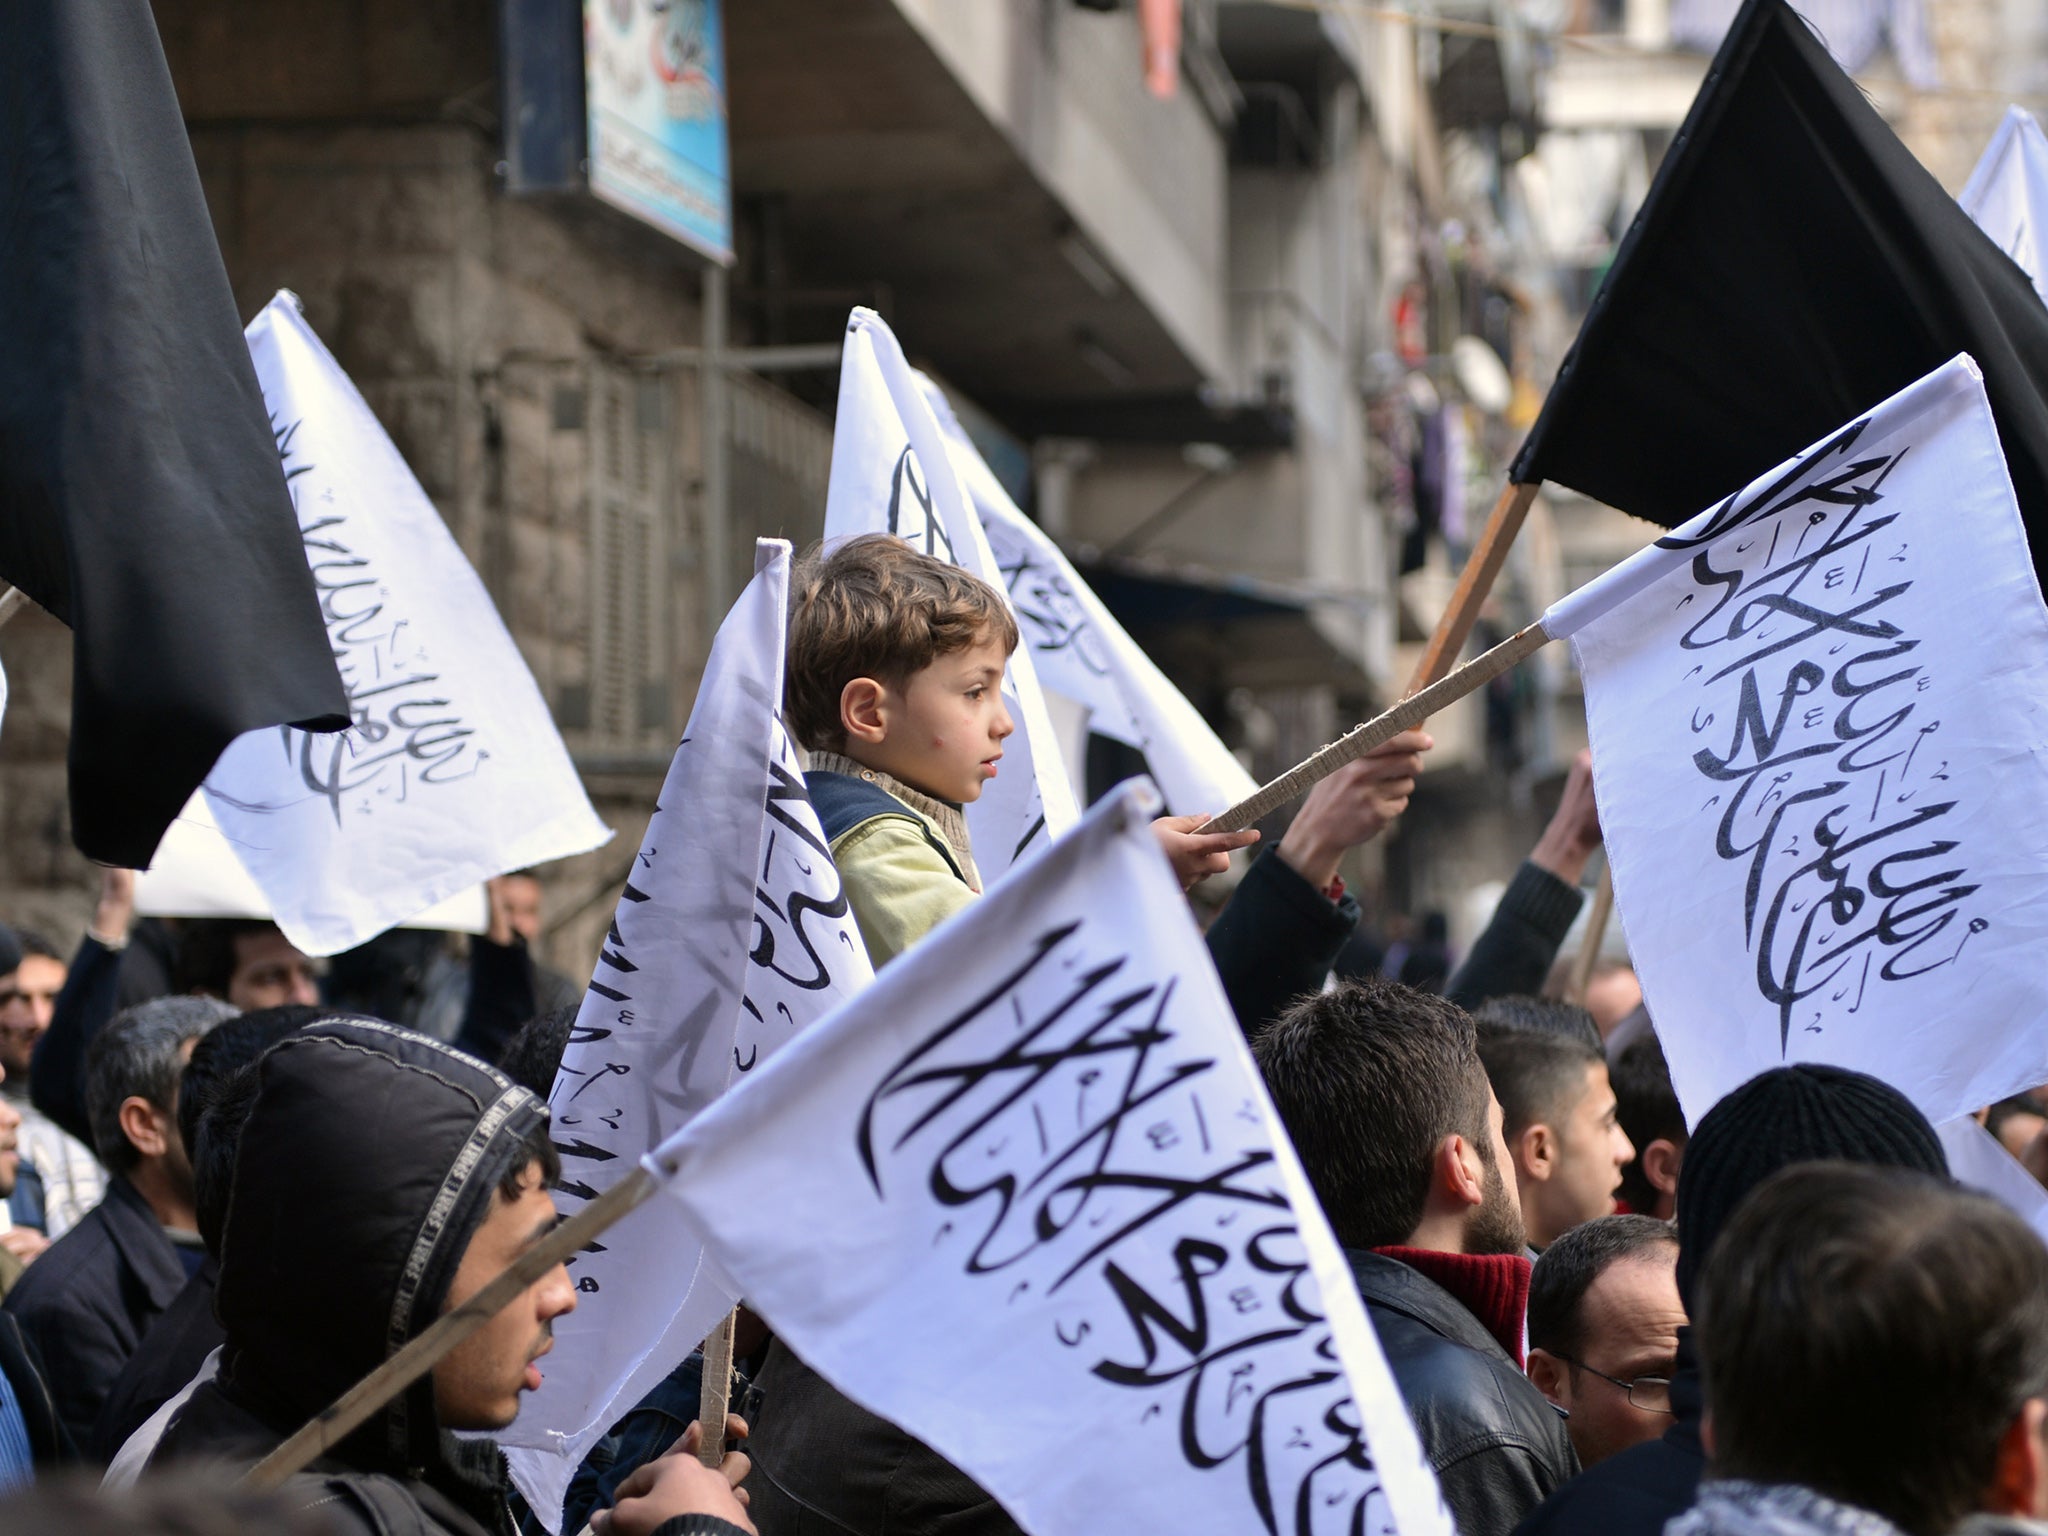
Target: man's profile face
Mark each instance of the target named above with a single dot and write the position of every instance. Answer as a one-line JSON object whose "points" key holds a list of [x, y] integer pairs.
{"points": [[1592, 1149], [477, 1384], [1496, 1226], [1631, 1315], [270, 972], [28, 1001]]}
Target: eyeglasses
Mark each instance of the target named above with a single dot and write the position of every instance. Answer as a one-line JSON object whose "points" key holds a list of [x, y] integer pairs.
{"points": [[1652, 1394]]}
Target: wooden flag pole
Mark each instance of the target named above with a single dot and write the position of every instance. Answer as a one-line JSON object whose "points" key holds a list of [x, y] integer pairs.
{"points": [[12, 601], [355, 1406], [714, 1397], [1475, 583], [1354, 744], [1590, 941]]}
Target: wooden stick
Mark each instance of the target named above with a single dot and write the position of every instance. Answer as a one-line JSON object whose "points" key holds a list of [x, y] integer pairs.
{"points": [[1411, 711], [1475, 582], [714, 1397], [366, 1397], [1590, 941], [12, 601]]}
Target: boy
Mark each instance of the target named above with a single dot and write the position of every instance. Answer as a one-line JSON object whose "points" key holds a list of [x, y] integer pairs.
{"points": [[895, 689]]}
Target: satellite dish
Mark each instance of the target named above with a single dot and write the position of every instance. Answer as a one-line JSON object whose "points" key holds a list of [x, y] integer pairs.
{"points": [[1481, 375]]}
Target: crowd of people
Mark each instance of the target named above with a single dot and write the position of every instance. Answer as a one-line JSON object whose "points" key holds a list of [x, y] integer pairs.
{"points": [[237, 1182]]}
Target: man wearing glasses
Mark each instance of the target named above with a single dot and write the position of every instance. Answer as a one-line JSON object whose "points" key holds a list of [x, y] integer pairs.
{"points": [[1604, 1316]]}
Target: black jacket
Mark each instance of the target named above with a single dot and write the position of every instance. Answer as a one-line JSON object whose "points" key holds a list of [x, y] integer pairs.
{"points": [[1515, 951], [369, 1157], [87, 1302], [1634, 1493], [1276, 939], [170, 1355], [1497, 1448]]}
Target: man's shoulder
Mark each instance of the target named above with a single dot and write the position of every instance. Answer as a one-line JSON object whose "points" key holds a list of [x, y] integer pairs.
{"points": [[52, 1283], [1630, 1494]]}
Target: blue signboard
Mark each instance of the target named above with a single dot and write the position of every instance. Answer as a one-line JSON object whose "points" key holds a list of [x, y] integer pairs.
{"points": [[654, 76]]}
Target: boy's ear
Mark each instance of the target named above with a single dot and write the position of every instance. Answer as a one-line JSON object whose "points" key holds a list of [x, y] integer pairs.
{"points": [[862, 715]]}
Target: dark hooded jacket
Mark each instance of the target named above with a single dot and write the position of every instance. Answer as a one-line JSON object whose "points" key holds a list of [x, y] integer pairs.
{"points": [[370, 1157]]}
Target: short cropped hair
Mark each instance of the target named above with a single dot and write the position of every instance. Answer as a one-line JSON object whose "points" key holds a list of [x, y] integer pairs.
{"points": [[1537, 1077], [1647, 1106], [1568, 1267], [874, 607], [1870, 1333], [140, 1054], [33, 943], [1369, 1079], [1521, 1014]]}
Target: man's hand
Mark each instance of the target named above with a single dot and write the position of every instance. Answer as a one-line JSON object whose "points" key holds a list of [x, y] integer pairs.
{"points": [[1352, 806], [1574, 832], [498, 929], [679, 1484], [115, 913], [24, 1243], [1196, 856]]}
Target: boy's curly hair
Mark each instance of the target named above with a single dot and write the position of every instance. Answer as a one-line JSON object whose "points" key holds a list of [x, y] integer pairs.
{"points": [[874, 607]]}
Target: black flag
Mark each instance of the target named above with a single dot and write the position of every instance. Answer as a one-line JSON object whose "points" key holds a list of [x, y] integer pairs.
{"points": [[1792, 266], [141, 497]]}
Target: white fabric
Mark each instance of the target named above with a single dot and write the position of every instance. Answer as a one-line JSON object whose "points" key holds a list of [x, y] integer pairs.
{"points": [[1080, 651], [733, 934], [196, 872], [452, 770], [133, 1457], [1820, 746], [73, 1180], [1031, 1203], [891, 474], [1976, 1158], [2007, 194]]}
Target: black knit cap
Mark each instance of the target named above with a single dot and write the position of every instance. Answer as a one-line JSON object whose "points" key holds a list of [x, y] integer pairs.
{"points": [[1798, 1114]]}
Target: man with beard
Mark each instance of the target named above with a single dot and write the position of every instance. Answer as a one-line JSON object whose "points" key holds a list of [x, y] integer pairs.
{"points": [[1383, 1093]]}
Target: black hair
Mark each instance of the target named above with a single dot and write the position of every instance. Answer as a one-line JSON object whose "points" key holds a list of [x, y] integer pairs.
{"points": [[1369, 1079], [1537, 1077], [32, 943], [1520, 1013], [1567, 1269], [140, 1054], [1871, 1333], [206, 960], [1647, 1106]]}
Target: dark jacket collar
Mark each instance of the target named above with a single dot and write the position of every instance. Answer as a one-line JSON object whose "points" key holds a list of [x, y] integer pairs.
{"points": [[139, 1238], [1389, 1283]]}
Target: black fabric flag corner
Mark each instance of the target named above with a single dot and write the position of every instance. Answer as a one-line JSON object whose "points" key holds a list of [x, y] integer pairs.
{"points": [[141, 497], [1792, 266]]}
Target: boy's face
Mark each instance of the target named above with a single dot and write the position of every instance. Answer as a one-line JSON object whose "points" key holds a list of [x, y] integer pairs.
{"points": [[942, 732]]}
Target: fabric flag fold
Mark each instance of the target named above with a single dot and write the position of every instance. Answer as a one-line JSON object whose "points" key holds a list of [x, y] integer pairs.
{"points": [[1819, 716], [2007, 194], [892, 473], [1079, 650], [1791, 264], [1032, 1204], [140, 497], [733, 933], [451, 770]]}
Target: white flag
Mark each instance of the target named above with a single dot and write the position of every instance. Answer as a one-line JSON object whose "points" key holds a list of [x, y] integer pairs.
{"points": [[451, 770], [733, 934], [2007, 194], [891, 473], [1032, 1204], [1976, 1158], [1819, 715], [1079, 649]]}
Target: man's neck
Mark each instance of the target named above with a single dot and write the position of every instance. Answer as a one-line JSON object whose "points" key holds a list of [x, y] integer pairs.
{"points": [[172, 1205]]}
